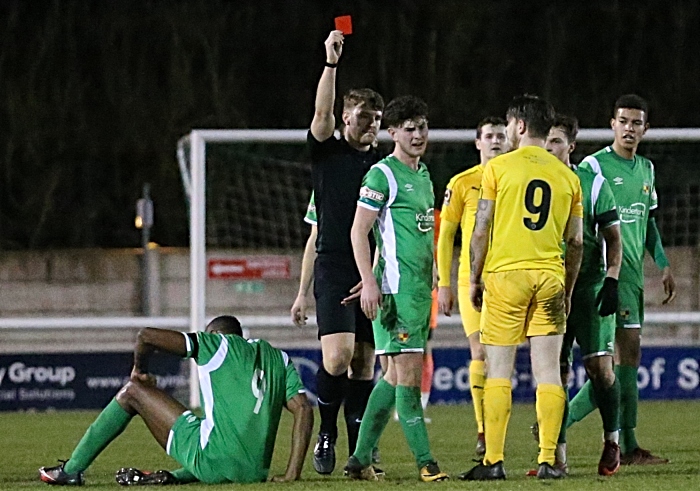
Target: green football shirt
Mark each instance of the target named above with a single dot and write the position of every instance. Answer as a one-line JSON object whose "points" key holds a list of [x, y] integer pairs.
{"points": [[633, 186], [404, 228], [599, 211], [243, 386], [310, 216]]}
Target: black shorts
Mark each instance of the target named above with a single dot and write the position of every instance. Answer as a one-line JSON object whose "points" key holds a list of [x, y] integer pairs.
{"points": [[333, 280]]}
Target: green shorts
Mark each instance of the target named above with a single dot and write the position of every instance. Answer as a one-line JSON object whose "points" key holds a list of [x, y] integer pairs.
{"points": [[402, 324], [205, 464], [630, 313], [594, 334]]}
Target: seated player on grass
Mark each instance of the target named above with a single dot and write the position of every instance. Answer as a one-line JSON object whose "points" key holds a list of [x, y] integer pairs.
{"points": [[244, 384]]}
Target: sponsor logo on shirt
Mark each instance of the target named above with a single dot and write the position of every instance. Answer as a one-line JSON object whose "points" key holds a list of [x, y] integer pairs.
{"points": [[617, 181], [368, 193], [646, 188], [426, 221], [409, 187], [634, 212], [448, 195]]}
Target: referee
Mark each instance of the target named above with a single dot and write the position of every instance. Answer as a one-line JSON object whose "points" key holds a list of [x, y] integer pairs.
{"points": [[338, 166]]}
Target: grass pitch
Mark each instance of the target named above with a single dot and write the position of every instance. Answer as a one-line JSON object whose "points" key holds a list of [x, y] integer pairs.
{"points": [[670, 429]]}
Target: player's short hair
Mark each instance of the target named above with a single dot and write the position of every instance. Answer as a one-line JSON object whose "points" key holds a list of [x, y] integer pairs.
{"points": [[537, 113], [404, 108], [368, 98], [226, 324], [569, 124], [632, 101], [492, 120]]}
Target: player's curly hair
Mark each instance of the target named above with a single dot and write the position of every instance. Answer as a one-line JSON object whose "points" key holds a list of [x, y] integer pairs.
{"points": [[226, 324], [632, 101], [404, 108], [537, 113], [568, 124]]}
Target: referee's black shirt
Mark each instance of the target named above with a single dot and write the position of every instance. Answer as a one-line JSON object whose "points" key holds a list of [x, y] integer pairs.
{"points": [[337, 170]]}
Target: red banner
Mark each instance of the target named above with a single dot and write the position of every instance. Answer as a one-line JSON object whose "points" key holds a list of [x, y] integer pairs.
{"points": [[249, 268]]}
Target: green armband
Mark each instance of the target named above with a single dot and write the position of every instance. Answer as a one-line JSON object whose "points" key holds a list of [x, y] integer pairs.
{"points": [[654, 246]]}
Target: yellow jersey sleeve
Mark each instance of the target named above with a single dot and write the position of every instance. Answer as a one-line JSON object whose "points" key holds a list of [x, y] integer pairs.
{"points": [[488, 184], [577, 202], [453, 205], [459, 207]]}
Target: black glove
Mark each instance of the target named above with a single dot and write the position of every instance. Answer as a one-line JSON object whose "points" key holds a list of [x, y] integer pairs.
{"points": [[607, 298]]}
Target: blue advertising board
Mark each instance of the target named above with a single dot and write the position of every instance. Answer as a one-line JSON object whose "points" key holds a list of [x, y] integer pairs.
{"points": [[90, 380], [75, 380], [664, 373]]}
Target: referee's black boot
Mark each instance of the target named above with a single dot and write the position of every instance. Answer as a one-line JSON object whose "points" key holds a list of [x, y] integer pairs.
{"points": [[324, 454]]}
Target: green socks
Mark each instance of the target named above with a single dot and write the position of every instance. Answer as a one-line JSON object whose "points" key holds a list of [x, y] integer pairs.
{"points": [[376, 416], [608, 400], [410, 412], [629, 397], [582, 404], [109, 424]]}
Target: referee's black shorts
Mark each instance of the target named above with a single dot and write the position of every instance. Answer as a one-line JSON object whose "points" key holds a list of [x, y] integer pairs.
{"points": [[333, 280]]}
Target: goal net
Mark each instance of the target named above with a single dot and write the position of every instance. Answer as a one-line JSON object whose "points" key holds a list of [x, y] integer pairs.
{"points": [[258, 182]]}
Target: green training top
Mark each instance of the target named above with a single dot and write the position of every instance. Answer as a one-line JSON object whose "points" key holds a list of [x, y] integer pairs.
{"points": [[599, 211], [243, 386], [633, 186], [404, 228]]}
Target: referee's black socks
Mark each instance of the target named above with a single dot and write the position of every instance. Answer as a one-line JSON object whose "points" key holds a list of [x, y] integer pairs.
{"points": [[331, 392], [356, 398]]}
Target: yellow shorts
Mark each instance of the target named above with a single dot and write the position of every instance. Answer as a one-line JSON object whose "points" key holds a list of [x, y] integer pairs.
{"points": [[520, 304], [471, 319]]}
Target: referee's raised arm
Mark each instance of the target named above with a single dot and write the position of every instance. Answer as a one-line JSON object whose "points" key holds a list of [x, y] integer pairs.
{"points": [[323, 124]]}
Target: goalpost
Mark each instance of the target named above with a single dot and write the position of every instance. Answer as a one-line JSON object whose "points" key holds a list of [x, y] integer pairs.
{"points": [[192, 159]]}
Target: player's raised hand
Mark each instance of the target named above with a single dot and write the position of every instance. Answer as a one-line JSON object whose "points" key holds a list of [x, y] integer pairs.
{"points": [[445, 300], [334, 46], [476, 294], [669, 286], [370, 299], [355, 293], [298, 311]]}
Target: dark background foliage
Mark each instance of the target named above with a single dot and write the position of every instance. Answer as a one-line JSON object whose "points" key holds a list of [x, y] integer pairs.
{"points": [[95, 94]]}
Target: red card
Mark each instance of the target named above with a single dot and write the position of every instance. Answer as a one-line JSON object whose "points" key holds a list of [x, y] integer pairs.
{"points": [[344, 24]]}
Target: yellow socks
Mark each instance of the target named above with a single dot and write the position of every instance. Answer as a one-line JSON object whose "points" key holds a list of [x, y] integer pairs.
{"points": [[477, 378], [550, 410], [497, 404]]}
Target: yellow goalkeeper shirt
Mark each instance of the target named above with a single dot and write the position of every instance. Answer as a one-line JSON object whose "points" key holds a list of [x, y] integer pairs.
{"points": [[459, 206], [534, 194]]}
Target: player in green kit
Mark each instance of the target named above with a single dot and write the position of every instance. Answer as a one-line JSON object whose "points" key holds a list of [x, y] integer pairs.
{"points": [[299, 306], [591, 322], [396, 200], [632, 180], [244, 386]]}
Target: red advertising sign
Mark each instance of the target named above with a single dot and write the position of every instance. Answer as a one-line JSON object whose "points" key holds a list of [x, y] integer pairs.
{"points": [[249, 268]]}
